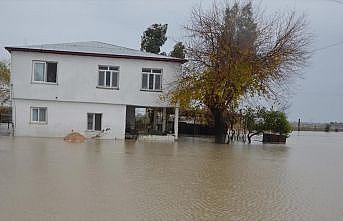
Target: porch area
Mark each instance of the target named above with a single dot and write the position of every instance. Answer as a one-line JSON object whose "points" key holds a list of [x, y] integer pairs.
{"points": [[152, 123]]}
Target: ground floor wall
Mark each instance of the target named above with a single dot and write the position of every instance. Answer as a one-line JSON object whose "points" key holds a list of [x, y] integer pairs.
{"points": [[64, 117]]}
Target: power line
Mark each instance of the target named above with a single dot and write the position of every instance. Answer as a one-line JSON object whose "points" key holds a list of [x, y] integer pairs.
{"points": [[339, 2], [335, 44], [328, 46]]}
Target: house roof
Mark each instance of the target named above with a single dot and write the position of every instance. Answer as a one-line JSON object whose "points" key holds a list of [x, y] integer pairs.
{"points": [[94, 48]]}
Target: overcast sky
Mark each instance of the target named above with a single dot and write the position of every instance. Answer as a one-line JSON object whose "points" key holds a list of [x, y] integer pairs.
{"points": [[318, 98]]}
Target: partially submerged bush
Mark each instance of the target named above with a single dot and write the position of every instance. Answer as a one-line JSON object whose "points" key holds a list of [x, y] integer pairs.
{"points": [[261, 120]]}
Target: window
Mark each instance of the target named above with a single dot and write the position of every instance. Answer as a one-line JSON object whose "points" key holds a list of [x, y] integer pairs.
{"points": [[151, 79], [108, 76], [44, 71], [38, 114], [94, 121]]}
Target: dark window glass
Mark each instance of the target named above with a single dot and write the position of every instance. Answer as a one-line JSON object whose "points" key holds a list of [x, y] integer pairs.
{"points": [[34, 114], [151, 81], [145, 81], [146, 70], [112, 68], [42, 114], [108, 78], [114, 79], [90, 121], [159, 71], [157, 82], [101, 78], [101, 67], [97, 122], [51, 72]]}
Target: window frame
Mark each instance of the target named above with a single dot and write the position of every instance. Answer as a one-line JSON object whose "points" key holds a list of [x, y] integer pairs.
{"points": [[38, 121], [45, 72], [93, 121], [111, 77], [154, 79]]}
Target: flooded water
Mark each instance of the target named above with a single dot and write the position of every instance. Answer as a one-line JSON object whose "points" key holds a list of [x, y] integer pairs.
{"points": [[48, 179]]}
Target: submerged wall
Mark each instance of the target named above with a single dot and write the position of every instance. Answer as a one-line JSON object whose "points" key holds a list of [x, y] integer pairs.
{"points": [[65, 117]]}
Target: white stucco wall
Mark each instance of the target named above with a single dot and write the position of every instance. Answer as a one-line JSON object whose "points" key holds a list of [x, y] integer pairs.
{"points": [[76, 94], [63, 117], [77, 78]]}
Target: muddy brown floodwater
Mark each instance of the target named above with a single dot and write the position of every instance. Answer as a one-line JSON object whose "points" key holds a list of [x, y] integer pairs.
{"points": [[194, 179]]}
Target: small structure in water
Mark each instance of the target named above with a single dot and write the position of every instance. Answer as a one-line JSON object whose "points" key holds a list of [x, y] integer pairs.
{"points": [[274, 138], [75, 137]]}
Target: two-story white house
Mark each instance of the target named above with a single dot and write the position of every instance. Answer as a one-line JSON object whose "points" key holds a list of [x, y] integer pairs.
{"points": [[85, 87]]}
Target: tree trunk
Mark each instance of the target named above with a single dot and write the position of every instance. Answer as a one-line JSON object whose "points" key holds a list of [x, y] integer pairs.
{"points": [[249, 138], [219, 125], [250, 135]]}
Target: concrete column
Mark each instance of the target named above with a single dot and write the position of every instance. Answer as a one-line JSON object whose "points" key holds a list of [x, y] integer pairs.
{"points": [[164, 119], [176, 122]]}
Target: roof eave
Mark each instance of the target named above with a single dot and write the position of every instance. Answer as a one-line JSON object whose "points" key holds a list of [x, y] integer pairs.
{"points": [[178, 60]]}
